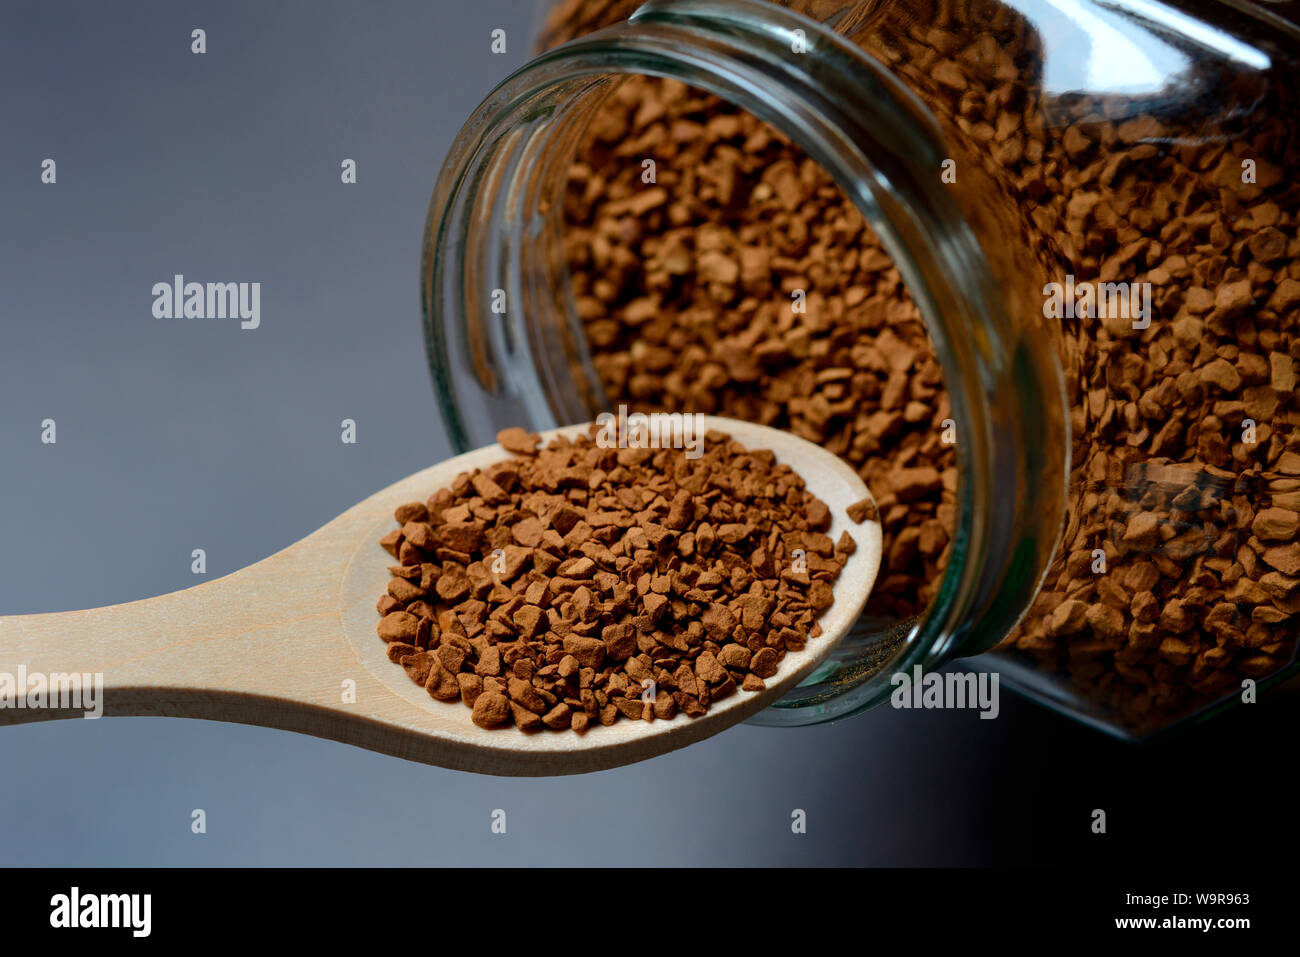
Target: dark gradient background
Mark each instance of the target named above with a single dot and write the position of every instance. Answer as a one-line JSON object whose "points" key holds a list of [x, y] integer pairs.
{"points": [[174, 435]]}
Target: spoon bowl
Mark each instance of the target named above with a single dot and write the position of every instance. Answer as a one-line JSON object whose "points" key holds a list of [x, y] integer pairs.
{"points": [[290, 641]]}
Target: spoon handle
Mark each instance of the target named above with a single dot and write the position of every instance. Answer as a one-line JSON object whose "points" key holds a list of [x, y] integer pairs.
{"points": [[263, 646], [244, 648]]}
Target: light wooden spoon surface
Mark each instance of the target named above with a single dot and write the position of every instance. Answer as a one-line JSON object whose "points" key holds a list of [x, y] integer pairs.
{"points": [[290, 641]]}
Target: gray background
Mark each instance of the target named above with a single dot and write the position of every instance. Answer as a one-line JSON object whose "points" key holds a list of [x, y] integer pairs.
{"points": [[175, 435]]}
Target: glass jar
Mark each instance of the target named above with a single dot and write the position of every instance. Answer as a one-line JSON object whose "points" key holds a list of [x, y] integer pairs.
{"points": [[1087, 205]]}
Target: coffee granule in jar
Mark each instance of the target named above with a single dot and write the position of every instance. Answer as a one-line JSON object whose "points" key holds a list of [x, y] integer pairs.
{"points": [[1177, 577], [744, 283], [555, 588], [1198, 528]]}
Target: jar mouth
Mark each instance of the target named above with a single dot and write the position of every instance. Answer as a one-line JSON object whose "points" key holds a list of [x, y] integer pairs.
{"points": [[884, 149]]}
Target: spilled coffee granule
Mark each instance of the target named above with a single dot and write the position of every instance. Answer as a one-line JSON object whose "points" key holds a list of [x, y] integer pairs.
{"points": [[565, 585]]}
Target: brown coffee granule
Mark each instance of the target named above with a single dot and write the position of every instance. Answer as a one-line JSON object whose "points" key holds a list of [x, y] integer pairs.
{"points": [[862, 511], [577, 583], [1195, 595], [744, 283], [1164, 595]]}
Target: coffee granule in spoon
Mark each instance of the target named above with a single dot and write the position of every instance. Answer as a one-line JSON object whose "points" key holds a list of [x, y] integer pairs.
{"points": [[576, 583]]}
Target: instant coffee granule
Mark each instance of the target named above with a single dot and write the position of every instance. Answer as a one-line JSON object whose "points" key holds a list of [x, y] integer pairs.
{"points": [[1178, 573], [576, 583], [1198, 527], [743, 283]]}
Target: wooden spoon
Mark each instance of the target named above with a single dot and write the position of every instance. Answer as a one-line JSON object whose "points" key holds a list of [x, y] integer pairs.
{"points": [[282, 643]]}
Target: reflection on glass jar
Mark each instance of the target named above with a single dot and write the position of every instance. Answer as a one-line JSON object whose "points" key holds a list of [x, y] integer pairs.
{"points": [[1032, 268]]}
